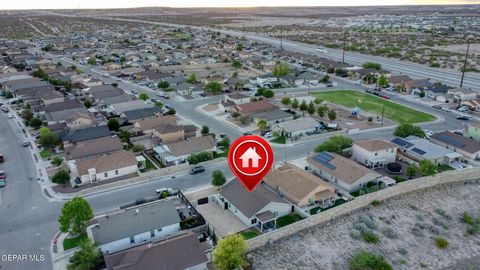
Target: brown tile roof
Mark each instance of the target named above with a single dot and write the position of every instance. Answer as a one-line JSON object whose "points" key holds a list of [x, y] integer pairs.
{"points": [[150, 123], [345, 169], [107, 163], [167, 128], [179, 252], [375, 145], [256, 106], [93, 147], [295, 183], [190, 146]]}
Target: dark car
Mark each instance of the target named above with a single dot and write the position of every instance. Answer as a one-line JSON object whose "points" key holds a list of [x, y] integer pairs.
{"points": [[462, 117], [140, 201], [198, 169], [437, 107], [2, 159], [2, 175], [247, 133]]}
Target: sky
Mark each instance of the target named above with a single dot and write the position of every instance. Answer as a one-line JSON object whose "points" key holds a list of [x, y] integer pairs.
{"points": [[73, 4]]}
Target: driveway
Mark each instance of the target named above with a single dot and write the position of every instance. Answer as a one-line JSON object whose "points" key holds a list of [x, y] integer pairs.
{"points": [[223, 221]]}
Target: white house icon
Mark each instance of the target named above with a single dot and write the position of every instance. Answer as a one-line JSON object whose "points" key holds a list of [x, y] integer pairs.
{"points": [[250, 154]]}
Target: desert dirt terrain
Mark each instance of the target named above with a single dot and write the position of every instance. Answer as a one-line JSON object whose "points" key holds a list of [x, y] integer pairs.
{"points": [[406, 227]]}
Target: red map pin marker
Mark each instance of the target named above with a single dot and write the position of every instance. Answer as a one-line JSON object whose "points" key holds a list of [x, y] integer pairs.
{"points": [[250, 159]]}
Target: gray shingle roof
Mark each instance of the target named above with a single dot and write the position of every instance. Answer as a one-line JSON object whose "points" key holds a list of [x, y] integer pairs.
{"points": [[85, 134], [128, 222], [142, 113]]}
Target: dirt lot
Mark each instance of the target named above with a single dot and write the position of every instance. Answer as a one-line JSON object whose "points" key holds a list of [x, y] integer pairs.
{"points": [[414, 221], [217, 71]]}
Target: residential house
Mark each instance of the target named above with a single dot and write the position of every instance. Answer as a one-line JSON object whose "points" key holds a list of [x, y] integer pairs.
{"points": [[122, 107], [307, 78], [178, 152], [254, 107], [473, 131], [93, 147], [178, 252], [104, 167], [413, 149], [345, 173], [298, 127], [436, 90], [79, 121], [168, 133], [100, 92], [259, 208], [79, 135], [417, 86], [238, 98], [399, 81], [374, 153], [473, 104], [469, 148], [301, 187], [125, 228], [273, 117], [185, 88], [146, 125], [462, 94], [133, 116]]}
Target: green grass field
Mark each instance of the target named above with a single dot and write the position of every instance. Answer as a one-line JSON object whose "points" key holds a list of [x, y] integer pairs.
{"points": [[374, 104], [70, 243], [249, 234]]}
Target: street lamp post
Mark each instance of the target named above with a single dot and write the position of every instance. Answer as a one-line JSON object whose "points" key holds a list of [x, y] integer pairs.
{"points": [[465, 63]]}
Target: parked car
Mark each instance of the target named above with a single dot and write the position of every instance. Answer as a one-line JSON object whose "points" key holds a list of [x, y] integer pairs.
{"points": [[462, 117], [140, 201], [445, 109], [247, 133], [2, 175], [459, 132], [106, 75], [197, 169], [428, 133], [460, 166], [223, 135], [463, 109], [437, 107], [3, 183], [10, 116], [25, 143], [134, 91], [2, 159]]}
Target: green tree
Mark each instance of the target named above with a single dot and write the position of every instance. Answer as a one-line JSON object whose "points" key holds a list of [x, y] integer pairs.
{"points": [[113, 124], [143, 96], [40, 73], [236, 64], [321, 110], [75, 215], [366, 260], [330, 70], [382, 81], [303, 106], [158, 104], [335, 144], [48, 139], [332, 115], [35, 122], [163, 85], [295, 103], [374, 65], [406, 129], [205, 130], [262, 124], [230, 252], [285, 100], [239, 47], [91, 61], [192, 78], [124, 135], [267, 93], [87, 103], [87, 258], [213, 87], [61, 177], [68, 86], [224, 143], [280, 70], [326, 79], [138, 148], [27, 115], [57, 161], [318, 101], [218, 179], [311, 108], [411, 171], [171, 111], [427, 168]]}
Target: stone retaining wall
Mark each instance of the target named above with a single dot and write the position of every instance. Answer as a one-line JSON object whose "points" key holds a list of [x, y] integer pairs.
{"points": [[416, 185]]}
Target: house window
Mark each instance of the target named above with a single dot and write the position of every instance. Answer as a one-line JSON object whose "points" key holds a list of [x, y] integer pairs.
{"points": [[152, 233], [116, 172], [254, 220], [105, 174], [275, 213], [132, 239]]}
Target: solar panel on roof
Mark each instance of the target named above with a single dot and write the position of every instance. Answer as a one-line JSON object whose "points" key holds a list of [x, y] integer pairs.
{"points": [[418, 151], [450, 140], [324, 158], [401, 143]]}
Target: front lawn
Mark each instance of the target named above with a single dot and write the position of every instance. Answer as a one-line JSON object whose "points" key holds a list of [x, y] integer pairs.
{"points": [[148, 166], [374, 104], [70, 243], [444, 168], [279, 140], [44, 154], [249, 234], [288, 219]]}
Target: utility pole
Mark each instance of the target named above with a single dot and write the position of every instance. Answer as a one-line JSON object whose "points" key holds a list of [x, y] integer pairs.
{"points": [[344, 44], [383, 114], [465, 64], [281, 37]]}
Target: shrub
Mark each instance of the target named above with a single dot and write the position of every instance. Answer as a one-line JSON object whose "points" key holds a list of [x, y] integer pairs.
{"points": [[56, 161], [364, 260], [376, 203], [138, 148], [370, 237], [467, 218], [368, 221], [61, 177], [389, 232], [441, 243], [356, 234]]}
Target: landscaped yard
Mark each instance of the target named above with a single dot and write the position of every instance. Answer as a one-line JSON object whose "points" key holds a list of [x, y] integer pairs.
{"points": [[279, 140], [288, 219], [70, 243], [444, 167], [338, 202], [374, 104], [249, 234], [44, 154]]}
